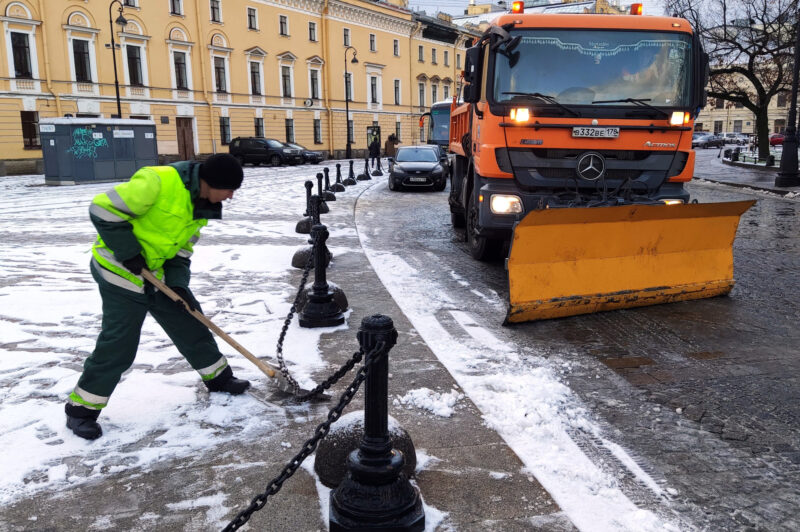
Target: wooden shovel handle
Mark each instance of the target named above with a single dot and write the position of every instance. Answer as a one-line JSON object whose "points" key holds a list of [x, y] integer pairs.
{"points": [[263, 366]]}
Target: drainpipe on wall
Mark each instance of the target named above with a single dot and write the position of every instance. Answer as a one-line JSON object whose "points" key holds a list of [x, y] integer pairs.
{"points": [[326, 74], [204, 78], [414, 32], [48, 80]]}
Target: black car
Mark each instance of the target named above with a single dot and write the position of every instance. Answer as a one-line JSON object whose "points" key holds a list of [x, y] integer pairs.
{"points": [[416, 166], [309, 156], [258, 150]]}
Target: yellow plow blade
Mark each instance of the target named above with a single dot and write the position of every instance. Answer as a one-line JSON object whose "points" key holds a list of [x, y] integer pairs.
{"points": [[572, 261]]}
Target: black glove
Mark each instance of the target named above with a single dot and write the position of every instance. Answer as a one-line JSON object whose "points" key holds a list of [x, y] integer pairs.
{"points": [[135, 264], [187, 296]]}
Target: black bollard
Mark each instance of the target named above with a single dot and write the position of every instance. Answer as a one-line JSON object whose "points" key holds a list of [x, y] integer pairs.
{"points": [[379, 170], [301, 256], [349, 181], [322, 193], [328, 184], [376, 494], [304, 225], [338, 186], [321, 309], [365, 174]]}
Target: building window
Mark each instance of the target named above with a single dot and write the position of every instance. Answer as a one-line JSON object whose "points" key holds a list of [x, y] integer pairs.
{"points": [[434, 94], [252, 18], [720, 103], [433, 56], [219, 74], [458, 61], [422, 95], [396, 47], [30, 129], [181, 80], [83, 67], [781, 95], [255, 78], [286, 81], [348, 86], [130, 3], [259, 122], [283, 25], [176, 7], [446, 90], [737, 126], [397, 92], [317, 131], [22, 55], [350, 131], [373, 46], [225, 129], [314, 73], [397, 130], [739, 105], [373, 89], [312, 31], [446, 58], [421, 54], [134, 54], [780, 125], [717, 127], [216, 13], [346, 36], [289, 130]]}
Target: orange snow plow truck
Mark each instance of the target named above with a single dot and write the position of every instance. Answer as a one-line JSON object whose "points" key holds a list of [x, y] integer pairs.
{"points": [[573, 143]]}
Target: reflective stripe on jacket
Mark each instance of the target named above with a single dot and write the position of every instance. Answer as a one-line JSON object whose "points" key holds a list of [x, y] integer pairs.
{"points": [[154, 208]]}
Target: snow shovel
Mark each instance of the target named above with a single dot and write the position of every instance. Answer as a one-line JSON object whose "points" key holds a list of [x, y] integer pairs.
{"points": [[269, 371]]}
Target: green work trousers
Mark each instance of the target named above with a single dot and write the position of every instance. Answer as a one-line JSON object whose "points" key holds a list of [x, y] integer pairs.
{"points": [[123, 314]]}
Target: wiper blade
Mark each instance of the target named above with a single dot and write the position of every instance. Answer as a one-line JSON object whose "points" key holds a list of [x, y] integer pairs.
{"points": [[638, 101], [544, 98]]}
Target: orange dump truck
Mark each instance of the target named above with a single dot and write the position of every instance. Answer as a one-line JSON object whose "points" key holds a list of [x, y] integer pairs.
{"points": [[573, 144]]}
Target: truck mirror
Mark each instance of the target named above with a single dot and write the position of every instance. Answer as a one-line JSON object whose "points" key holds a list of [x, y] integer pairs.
{"points": [[470, 94], [471, 63]]}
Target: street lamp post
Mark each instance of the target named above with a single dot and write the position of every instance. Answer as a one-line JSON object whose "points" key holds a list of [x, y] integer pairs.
{"points": [[788, 175], [122, 22], [347, 88]]}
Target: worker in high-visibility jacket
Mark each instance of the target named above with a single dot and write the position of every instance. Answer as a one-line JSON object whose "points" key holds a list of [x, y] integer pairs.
{"points": [[151, 221]]}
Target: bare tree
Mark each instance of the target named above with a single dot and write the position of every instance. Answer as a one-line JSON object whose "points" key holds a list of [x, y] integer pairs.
{"points": [[750, 44]]}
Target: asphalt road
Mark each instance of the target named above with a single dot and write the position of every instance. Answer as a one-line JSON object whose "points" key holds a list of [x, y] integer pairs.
{"points": [[705, 395]]}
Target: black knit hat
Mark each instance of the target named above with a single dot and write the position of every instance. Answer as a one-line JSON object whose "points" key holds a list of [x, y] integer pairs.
{"points": [[222, 171]]}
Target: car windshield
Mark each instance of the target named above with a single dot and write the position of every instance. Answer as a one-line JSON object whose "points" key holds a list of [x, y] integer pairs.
{"points": [[274, 143], [581, 67], [440, 124], [295, 146], [420, 155]]}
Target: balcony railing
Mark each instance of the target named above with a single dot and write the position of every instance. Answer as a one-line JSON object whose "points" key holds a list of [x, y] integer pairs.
{"points": [[184, 94], [256, 99], [25, 84], [137, 91], [85, 87], [221, 97]]}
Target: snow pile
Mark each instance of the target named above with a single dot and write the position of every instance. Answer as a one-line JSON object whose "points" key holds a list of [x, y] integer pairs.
{"points": [[439, 404]]}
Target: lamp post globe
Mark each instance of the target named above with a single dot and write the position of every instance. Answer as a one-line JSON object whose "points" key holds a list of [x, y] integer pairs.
{"points": [[788, 175], [122, 23], [347, 89]]}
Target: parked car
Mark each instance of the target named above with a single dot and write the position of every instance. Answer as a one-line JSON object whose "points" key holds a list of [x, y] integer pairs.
{"points": [[776, 139], [739, 139], [258, 150], [309, 156], [706, 140], [417, 166]]}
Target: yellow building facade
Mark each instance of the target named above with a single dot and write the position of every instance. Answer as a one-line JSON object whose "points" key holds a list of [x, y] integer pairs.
{"points": [[207, 71]]}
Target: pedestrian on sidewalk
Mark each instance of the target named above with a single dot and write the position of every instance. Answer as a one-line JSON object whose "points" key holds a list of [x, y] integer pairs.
{"points": [[390, 148], [151, 221], [375, 152]]}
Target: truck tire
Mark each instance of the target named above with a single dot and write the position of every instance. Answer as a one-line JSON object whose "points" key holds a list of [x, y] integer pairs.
{"points": [[457, 220], [480, 247]]}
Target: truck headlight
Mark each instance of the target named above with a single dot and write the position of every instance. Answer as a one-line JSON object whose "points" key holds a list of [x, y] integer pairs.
{"points": [[505, 204], [672, 201]]}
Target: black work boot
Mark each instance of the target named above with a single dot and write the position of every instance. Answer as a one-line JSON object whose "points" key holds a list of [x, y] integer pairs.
{"points": [[83, 421], [226, 382]]}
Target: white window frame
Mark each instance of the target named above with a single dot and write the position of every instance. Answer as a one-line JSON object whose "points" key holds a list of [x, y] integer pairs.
{"points": [[398, 84], [225, 54], [373, 42], [288, 30], [221, 16], [396, 48], [315, 66], [174, 47], [247, 18], [344, 80], [446, 91], [260, 63], [434, 61], [374, 71], [287, 59], [420, 53], [421, 85], [24, 84], [312, 24], [446, 58], [434, 93], [141, 42], [180, 12], [346, 37], [92, 56]]}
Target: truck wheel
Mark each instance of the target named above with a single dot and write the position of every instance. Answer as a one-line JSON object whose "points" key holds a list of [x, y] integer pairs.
{"points": [[480, 247], [457, 219]]}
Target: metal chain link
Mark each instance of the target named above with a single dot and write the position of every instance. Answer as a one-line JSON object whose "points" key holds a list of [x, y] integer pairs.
{"points": [[288, 321], [259, 501]]}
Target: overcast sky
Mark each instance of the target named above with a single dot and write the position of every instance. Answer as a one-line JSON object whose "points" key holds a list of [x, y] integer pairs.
{"points": [[457, 7]]}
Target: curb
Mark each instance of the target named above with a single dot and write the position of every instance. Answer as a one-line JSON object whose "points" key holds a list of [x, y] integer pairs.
{"points": [[780, 192], [756, 167]]}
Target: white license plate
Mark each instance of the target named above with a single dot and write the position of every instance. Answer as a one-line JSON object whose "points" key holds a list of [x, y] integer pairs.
{"points": [[417, 179], [596, 132]]}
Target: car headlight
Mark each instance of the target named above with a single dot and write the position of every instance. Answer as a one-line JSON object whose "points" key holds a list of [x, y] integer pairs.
{"points": [[397, 169], [286, 150], [505, 204], [437, 170]]}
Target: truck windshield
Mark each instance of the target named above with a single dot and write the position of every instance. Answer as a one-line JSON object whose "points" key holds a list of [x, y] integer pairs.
{"points": [[578, 67], [440, 124]]}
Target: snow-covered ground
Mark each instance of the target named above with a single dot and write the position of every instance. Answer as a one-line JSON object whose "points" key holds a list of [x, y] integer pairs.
{"points": [[50, 317]]}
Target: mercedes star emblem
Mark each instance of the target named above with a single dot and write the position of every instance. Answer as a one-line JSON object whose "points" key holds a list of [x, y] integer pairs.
{"points": [[591, 166]]}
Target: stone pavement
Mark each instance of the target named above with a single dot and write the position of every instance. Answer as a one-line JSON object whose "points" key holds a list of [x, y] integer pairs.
{"points": [[710, 167]]}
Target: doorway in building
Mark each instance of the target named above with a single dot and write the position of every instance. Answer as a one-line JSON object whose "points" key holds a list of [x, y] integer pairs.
{"points": [[185, 138]]}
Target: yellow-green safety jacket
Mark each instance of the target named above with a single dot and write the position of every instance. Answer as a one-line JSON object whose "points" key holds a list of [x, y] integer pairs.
{"points": [[157, 213]]}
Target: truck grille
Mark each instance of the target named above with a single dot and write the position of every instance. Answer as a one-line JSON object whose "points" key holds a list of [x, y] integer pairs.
{"points": [[569, 173]]}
